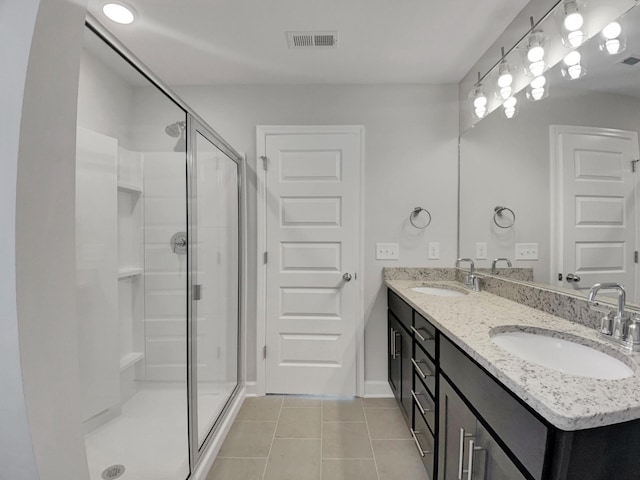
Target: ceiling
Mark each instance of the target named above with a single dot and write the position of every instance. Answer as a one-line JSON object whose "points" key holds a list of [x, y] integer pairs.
{"points": [[204, 42]]}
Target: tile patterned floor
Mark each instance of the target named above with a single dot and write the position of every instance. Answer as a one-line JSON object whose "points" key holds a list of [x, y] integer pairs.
{"points": [[313, 438]]}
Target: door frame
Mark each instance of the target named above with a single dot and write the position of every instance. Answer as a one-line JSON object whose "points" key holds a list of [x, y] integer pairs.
{"points": [[557, 191], [262, 131]]}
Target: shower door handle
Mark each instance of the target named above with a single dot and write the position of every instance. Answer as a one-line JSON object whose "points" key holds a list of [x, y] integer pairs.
{"points": [[197, 292]]}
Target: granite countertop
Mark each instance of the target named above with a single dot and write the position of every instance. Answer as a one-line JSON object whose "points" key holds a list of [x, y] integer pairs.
{"points": [[568, 402]]}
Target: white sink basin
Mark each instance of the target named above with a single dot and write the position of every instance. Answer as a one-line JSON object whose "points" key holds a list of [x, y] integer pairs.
{"points": [[440, 292], [562, 355]]}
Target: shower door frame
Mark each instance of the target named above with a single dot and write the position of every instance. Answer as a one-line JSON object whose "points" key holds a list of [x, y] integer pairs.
{"points": [[195, 451], [195, 127]]}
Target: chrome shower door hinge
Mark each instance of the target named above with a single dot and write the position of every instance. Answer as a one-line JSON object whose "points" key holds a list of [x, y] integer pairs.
{"points": [[265, 162]]}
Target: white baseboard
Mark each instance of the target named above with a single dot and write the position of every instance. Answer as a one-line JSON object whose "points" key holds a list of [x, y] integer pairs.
{"points": [[251, 389], [209, 456], [377, 389]]}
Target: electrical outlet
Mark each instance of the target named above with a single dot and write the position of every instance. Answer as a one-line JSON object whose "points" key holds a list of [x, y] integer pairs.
{"points": [[387, 251], [526, 251], [481, 251], [434, 251]]}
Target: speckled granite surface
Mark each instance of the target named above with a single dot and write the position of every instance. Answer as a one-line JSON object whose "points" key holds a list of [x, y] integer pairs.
{"points": [[569, 402]]}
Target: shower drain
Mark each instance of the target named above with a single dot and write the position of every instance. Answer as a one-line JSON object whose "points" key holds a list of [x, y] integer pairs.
{"points": [[114, 471]]}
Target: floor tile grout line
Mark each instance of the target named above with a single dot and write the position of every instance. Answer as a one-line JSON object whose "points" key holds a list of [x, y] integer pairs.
{"points": [[266, 464], [373, 453]]}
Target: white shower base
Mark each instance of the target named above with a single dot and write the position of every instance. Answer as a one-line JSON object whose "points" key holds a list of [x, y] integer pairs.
{"points": [[150, 436]]}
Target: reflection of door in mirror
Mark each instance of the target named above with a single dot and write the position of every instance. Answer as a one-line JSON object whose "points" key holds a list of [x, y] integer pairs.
{"points": [[594, 203]]}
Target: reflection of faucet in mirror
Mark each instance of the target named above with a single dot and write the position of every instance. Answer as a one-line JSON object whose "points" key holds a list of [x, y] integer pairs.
{"points": [[470, 281], [493, 264], [623, 331]]}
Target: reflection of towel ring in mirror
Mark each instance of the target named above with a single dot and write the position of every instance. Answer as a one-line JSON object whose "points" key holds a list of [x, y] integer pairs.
{"points": [[498, 215], [414, 215]]}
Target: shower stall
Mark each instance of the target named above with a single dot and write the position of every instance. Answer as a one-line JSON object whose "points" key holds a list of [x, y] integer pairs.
{"points": [[158, 255]]}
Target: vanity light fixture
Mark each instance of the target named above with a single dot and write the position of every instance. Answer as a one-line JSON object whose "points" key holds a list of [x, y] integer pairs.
{"points": [[612, 41], [119, 12], [510, 107], [538, 89], [535, 65], [572, 69], [505, 79], [479, 101], [573, 25]]}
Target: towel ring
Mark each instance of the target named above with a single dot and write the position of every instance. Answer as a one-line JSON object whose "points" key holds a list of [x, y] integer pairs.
{"points": [[414, 215], [498, 214]]}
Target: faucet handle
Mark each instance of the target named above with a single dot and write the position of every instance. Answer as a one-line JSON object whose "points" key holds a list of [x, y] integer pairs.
{"points": [[633, 331]]}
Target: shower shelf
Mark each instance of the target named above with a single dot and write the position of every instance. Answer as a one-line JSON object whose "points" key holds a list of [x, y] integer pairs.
{"points": [[129, 272], [130, 359], [129, 187]]}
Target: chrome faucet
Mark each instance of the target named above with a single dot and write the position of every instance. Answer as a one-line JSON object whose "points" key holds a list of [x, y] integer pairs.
{"points": [[493, 264], [620, 330], [471, 281]]}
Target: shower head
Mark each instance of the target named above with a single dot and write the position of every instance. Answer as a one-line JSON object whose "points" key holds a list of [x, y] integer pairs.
{"points": [[175, 129]]}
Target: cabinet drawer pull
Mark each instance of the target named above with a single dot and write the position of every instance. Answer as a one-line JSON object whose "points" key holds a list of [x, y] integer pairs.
{"points": [[420, 372], [416, 331], [420, 407], [472, 450], [415, 439], [392, 343], [461, 470]]}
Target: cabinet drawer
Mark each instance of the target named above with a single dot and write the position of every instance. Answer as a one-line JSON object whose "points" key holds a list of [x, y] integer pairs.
{"points": [[518, 428], [423, 404], [400, 309], [425, 444], [424, 334], [424, 369]]}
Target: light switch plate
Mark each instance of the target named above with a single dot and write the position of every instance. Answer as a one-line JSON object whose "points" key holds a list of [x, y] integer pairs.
{"points": [[387, 251], [481, 251], [526, 251], [434, 251]]}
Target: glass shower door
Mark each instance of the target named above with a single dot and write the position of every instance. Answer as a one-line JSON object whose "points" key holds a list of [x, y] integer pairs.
{"points": [[214, 289]]}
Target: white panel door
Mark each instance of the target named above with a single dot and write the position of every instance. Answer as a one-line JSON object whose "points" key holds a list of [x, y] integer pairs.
{"points": [[312, 223], [598, 206]]}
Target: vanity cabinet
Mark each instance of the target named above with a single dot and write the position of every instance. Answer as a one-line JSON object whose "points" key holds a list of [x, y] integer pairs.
{"points": [[400, 352]]}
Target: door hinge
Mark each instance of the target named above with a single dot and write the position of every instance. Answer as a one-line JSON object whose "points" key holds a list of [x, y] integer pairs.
{"points": [[635, 256], [634, 164], [265, 162], [266, 257], [264, 352]]}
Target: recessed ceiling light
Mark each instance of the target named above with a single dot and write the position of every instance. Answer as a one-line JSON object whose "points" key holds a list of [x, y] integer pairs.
{"points": [[119, 13]]}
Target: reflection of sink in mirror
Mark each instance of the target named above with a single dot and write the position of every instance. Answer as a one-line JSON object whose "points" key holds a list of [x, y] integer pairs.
{"points": [[562, 355], [570, 137], [439, 291]]}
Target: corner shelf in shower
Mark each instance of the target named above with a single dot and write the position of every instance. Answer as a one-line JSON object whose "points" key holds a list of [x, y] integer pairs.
{"points": [[130, 359], [129, 272], [130, 188]]}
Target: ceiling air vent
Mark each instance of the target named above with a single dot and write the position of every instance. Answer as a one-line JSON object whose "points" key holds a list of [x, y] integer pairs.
{"points": [[631, 60], [312, 39]]}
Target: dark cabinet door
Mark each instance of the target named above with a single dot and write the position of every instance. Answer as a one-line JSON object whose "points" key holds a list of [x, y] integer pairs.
{"points": [[406, 343], [394, 357]]}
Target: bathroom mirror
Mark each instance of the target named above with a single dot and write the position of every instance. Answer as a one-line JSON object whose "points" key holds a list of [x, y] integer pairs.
{"points": [[565, 166]]}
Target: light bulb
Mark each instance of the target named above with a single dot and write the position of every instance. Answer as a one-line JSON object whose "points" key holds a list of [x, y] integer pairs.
{"points": [[510, 102], [538, 82], [506, 92], [572, 58], [573, 21], [537, 68], [480, 112], [535, 53], [575, 71], [611, 31], [510, 112], [576, 38], [119, 13], [480, 102], [537, 93], [505, 80], [613, 46]]}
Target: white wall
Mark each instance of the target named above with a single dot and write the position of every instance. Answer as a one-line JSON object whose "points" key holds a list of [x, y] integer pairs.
{"points": [[507, 163], [411, 159], [44, 106]]}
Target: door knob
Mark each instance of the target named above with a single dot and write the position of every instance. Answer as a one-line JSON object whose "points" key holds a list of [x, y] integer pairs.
{"points": [[572, 277], [346, 277]]}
